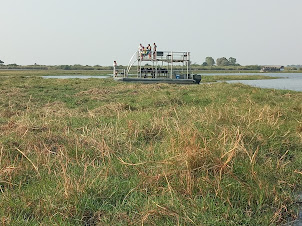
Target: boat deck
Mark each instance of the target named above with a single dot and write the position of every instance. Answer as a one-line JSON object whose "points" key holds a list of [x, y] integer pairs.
{"points": [[158, 80]]}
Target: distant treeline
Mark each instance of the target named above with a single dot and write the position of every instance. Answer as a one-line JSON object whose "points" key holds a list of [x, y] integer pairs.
{"points": [[231, 68], [55, 67], [195, 67]]}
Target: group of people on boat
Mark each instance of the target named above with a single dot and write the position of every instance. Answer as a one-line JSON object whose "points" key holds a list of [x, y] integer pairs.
{"points": [[147, 51], [143, 51]]}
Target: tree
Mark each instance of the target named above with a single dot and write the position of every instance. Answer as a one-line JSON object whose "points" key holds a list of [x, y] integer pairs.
{"points": [[1, 62], [210, 61], [204, 64], [222, 61], [65, 67], [232, 61]]}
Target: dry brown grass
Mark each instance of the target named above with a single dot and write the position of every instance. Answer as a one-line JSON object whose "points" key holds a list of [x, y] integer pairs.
{"points": [[148, 154]]}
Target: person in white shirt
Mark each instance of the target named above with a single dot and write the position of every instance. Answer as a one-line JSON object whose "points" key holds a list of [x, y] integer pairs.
{"points": [[140, 50]]}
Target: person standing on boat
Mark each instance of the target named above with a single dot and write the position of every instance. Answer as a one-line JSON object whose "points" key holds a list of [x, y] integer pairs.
{"points": [[140, 47], [114, 68], [149, 50], [144, 52], [154, 50], [140, 50]]}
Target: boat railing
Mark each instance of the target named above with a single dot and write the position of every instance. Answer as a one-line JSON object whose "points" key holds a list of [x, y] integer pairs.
{"points": [[168, 56]]}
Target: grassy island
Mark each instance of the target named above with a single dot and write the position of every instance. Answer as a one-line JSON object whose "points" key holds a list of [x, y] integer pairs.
{"points": [[96, 151]]}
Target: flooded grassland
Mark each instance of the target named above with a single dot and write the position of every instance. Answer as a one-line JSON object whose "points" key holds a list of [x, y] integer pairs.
{"points": [[96, 151]]}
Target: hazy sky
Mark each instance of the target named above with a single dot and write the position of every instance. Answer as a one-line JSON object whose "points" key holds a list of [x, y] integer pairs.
{"points": [[94, 32]]}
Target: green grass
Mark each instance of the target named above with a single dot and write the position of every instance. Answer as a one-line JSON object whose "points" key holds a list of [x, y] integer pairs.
{"points": [[95, 151], [34, 73]]}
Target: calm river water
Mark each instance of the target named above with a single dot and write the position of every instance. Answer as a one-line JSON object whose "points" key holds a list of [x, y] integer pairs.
{"points": [[287, 81]]}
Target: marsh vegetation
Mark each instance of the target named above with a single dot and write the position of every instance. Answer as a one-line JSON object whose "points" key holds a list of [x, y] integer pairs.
{"points": [[95, 151]]}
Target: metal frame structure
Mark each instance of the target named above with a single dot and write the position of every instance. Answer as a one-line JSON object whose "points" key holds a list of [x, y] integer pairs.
{"points": [[161, 60]]}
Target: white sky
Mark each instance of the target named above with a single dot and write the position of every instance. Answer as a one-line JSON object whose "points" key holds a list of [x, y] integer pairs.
{"points": [[94, 32]]}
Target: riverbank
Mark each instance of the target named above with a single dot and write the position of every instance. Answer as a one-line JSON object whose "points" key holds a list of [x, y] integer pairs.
{"points": [[96, 151]]}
